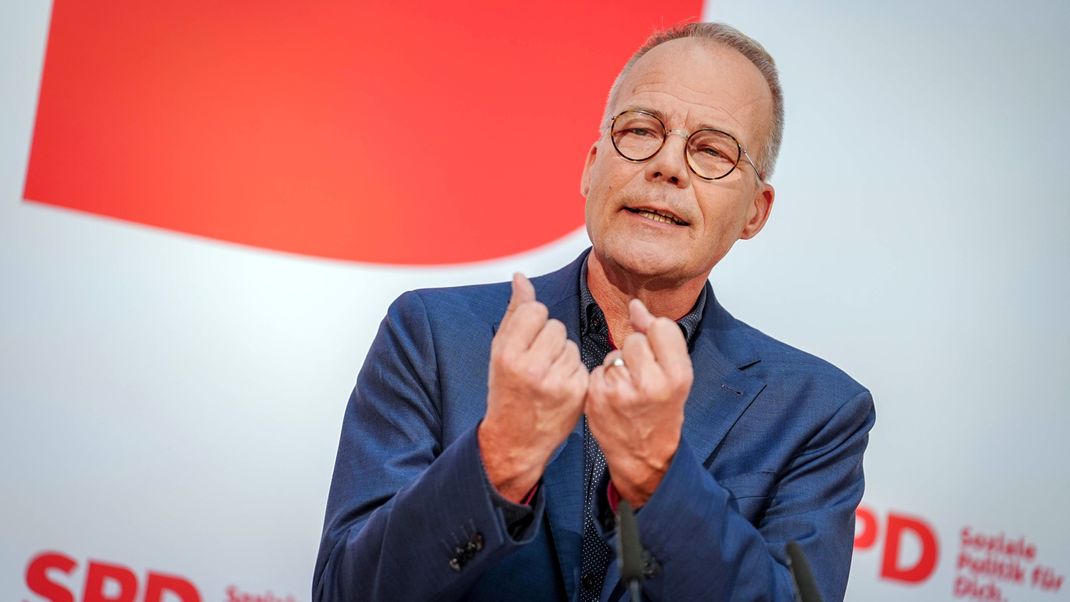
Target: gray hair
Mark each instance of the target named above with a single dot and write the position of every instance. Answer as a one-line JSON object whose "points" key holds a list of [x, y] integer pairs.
{"points": [[733, 38]]}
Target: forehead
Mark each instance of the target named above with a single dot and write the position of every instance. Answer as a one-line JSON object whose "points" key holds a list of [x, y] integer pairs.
{"points": [[695, 83]]}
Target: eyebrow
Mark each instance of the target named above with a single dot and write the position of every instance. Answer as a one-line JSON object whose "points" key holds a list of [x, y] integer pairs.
{"points": [[664, 118], [654, 112]]}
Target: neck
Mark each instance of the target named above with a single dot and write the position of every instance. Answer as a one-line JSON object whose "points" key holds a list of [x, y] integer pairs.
{"points": [[613, 287]]}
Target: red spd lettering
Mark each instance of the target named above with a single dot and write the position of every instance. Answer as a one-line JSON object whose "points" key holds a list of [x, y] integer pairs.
{"points": [[104, 582], [109, 583], [159, 584], [897, 529], [39, 581]]}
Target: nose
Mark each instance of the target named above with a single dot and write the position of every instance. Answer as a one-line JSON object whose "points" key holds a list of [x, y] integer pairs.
{"points": [[670, 163]]}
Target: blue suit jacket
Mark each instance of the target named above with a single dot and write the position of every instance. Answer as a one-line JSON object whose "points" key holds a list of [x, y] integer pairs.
{"points": [[771, 451]]}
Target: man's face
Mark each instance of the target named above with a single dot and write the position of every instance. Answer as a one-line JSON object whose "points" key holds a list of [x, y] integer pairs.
{"points": [[692, 84]]}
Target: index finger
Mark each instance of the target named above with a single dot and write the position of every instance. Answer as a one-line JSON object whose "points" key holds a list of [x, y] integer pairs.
{"points": [[640, 316], [669, 346], [522, 291]]}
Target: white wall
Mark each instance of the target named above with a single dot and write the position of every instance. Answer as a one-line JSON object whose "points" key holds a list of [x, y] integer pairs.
{"points": [[919, 242]]}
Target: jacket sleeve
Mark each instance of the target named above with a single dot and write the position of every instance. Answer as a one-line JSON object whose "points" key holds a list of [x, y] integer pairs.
{"points": [[701, 548], [407, 519]]}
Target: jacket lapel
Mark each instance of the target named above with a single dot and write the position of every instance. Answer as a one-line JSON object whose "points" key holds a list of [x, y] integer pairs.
{"points": [[563, 479], [563, 487], [719, 396]]}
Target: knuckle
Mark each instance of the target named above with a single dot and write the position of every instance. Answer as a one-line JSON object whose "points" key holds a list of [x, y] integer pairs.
{"points": [[555, 327], [501, 338], [532, 371], [509, 363], [595, 396], [553, 382], [635, 340], [538, 310], [531, 311], [686, 381], [681, 375], [665, 327], [572, 349], [506, 356], [580, 382], [687, 373], [597, 380]]}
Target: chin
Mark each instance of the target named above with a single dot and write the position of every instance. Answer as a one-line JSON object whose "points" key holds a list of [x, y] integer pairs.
{"points": [[641, 258]]}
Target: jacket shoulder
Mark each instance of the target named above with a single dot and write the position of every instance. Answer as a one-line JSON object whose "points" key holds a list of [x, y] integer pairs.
{"points": [[487, 302], [781, 362], [484, 301]]}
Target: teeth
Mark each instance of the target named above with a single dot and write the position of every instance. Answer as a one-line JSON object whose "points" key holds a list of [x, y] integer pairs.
{"points": [[657, 217]]}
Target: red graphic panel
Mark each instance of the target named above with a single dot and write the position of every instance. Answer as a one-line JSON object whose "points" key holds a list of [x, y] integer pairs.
{"points": [[360, 131]]}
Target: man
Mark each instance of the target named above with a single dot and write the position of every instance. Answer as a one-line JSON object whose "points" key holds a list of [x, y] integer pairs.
{"points": [[493, 429]]}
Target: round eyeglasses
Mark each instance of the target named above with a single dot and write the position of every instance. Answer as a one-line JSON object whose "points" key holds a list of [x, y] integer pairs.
{"points": [[711, 154]]}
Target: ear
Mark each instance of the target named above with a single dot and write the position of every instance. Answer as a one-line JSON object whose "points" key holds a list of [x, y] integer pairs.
{"points": [[761, 206], [585, 178]]}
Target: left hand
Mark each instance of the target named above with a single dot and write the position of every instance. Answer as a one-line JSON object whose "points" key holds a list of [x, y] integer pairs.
{"points": [[636, 411]]}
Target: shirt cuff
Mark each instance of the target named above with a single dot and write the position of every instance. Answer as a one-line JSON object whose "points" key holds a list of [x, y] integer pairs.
{"points": [[517, 516]]}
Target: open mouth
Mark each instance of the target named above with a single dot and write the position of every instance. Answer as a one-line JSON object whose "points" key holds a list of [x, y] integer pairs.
{"points": [[658, 216]]}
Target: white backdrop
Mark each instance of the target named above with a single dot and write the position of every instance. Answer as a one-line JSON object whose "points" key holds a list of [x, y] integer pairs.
{"points": [[172, 404]]}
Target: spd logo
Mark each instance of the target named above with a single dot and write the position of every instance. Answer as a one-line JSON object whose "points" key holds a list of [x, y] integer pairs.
{"points": [[53, 577], [895, 529]]}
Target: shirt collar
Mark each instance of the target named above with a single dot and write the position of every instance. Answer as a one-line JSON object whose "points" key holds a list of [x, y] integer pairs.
{"points": [[591, 316]]}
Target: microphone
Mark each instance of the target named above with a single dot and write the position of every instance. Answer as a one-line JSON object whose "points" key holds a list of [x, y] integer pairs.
{"points": [[629, 550], [805, 586]]}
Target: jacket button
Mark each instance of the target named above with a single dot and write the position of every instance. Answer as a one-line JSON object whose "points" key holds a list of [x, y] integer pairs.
{"points": [[587, 581]]}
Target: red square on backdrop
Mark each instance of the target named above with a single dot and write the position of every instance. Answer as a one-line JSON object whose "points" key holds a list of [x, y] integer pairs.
{"points": [[374, 132]]}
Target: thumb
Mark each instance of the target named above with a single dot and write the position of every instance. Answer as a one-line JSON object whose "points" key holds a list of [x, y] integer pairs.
{"points": [[640, 316], [523, 291]]}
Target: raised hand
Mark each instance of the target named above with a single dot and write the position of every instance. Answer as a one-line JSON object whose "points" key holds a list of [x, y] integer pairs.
{"points": [[636, 410], [535, 394]]}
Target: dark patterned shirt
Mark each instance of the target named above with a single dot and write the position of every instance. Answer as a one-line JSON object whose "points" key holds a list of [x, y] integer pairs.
{"points": [[593, 321], [595, 344]]}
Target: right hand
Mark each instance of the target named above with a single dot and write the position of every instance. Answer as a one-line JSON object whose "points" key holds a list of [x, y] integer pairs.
{"points": [[535, 394]]}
